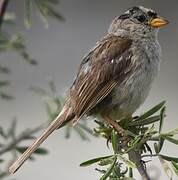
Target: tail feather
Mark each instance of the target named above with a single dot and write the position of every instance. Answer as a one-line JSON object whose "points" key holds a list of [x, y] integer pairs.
{"points": [[60, 119]]}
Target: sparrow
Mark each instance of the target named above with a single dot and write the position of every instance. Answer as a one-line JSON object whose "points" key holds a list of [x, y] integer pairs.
{"points": [[115, 77]]}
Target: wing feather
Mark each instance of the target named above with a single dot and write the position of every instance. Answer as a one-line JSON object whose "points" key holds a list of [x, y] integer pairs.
{"points": [[100, 71]]}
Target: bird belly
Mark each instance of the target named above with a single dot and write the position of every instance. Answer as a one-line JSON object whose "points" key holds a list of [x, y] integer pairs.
{"points": [[127, 97]]}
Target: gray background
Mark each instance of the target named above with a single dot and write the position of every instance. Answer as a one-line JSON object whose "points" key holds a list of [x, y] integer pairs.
{"points": [[59, 50]]}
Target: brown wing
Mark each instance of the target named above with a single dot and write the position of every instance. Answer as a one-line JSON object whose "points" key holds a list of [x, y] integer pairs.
{"points": [[100, 71]]}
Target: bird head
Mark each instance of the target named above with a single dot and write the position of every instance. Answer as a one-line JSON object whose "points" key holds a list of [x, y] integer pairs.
{"points": [[137, 21]]}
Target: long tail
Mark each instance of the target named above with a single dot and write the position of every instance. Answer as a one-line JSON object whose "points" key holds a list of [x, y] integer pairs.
{"points": [[62, 117]]}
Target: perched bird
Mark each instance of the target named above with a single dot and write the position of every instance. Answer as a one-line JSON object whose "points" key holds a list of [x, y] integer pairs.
{"points": [[115, 77]]}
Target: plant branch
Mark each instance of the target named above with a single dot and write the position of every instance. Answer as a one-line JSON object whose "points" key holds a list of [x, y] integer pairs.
{"points": [[135, 156], [23, 136]]}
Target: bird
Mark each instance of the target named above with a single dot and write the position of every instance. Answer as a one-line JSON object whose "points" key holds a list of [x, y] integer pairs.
{"points": [[115, 77]]}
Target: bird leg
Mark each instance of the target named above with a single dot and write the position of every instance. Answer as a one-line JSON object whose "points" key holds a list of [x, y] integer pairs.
{"points": [[110, 121]]}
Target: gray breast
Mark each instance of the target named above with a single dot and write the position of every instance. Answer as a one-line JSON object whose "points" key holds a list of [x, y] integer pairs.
{"points": [[128, 96]]}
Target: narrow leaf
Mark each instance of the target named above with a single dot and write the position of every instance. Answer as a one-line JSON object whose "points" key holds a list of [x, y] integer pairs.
{"points": [[170, 139], [152, 110], [146, 121], [68, 130], [4, 83], [161, 143], [38, 90], [126, 161], [52, 86], [93, 161], [130, 172], [172, 132], [162, 116], [40, 151], [87, 129], [168, 158], [175, 167], [53, 13], [105, 162], [43, 10], [28, 13], [114, 141], [4, 69], [109, 171], [156, 147], [5, 96], [81, 133]]}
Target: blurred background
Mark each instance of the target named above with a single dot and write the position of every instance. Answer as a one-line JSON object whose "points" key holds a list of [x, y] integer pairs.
{"points": [[59, 50]]}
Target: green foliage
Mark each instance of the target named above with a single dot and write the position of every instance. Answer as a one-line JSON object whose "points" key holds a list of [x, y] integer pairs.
{"points": [[46, 8], [140, 134], [11, 144], [16, 42]]}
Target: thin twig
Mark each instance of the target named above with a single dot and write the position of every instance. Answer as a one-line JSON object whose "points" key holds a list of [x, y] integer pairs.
{"points": [[135, 156], [23, 136]]}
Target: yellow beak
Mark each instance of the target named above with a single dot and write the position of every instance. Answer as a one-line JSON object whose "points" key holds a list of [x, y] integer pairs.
{"points": [[158, 22]]}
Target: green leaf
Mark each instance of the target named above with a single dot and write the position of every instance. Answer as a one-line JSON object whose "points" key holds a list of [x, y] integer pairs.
{"points": [[110, 169], [161, 143], [172, 132], [105, 162], [2, 133], [1, 160], [170, 139], [12, 129], [175, 167], [156, 147], [40, 151], [68, 130], [93, 161], [53, 13], [114, 141], [52, 86], [126, 161], [162, 115], [38, 90], [4, 70], [43, 10], [130, 172], [81, 133], [6, 97], [146, 121], [87, 129], [27, 58], [28, 13], [3, 174], [152, 110], [4, 83], [49, 112], [168, 158]]}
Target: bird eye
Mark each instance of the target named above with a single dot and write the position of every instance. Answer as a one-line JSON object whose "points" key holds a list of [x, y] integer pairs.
{"points": [[141, 18]]}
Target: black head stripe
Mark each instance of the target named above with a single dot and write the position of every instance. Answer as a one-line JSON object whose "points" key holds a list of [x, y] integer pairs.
{"points": [[124, 16], [152, 14], [134, 9]]}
